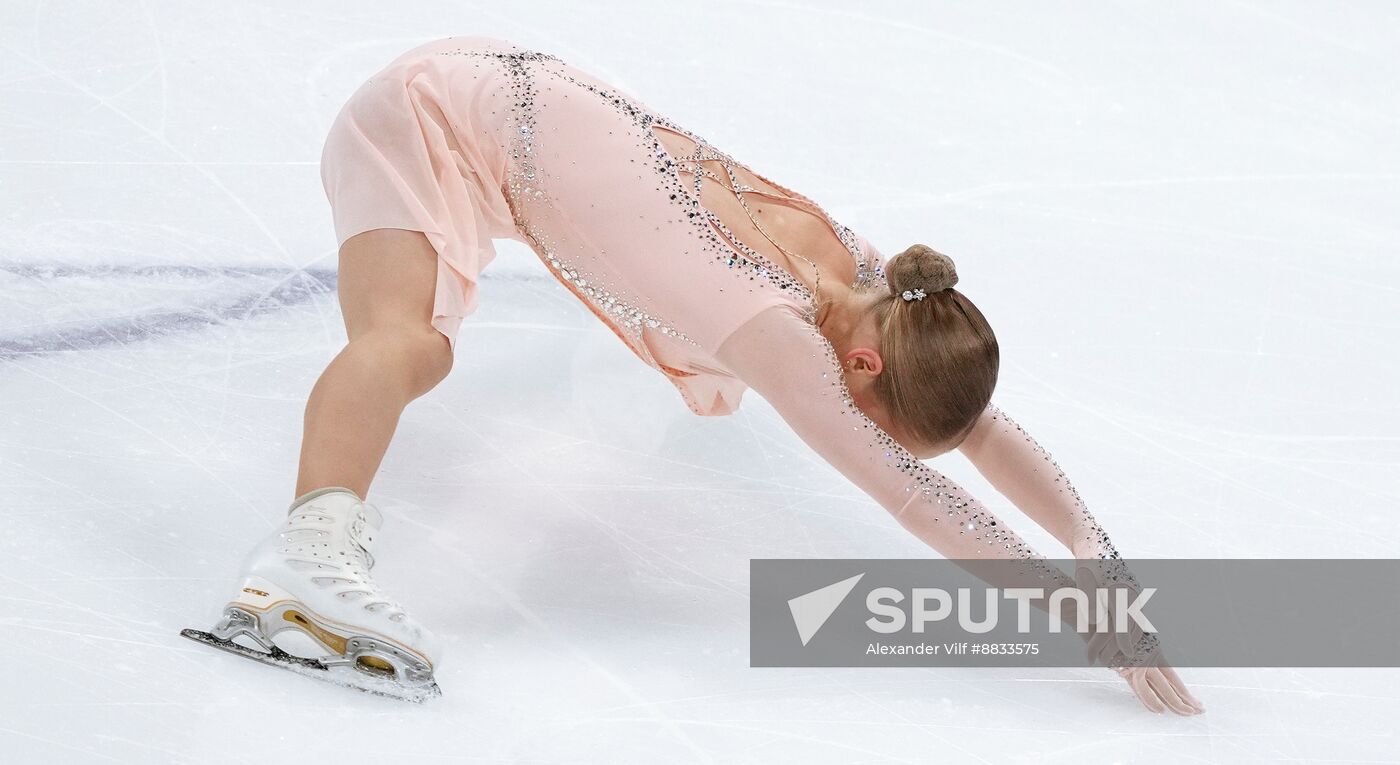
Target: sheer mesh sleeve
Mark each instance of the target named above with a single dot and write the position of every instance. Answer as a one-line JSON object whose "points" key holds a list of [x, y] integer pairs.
{"points": [[791, 365], [1024, 472], [1019, 468]]}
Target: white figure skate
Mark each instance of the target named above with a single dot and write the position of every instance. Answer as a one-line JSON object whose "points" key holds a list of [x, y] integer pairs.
{"points": [[307, 603]]}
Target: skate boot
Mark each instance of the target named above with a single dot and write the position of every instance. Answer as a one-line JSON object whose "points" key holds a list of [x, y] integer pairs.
{"points": [[307, 603]]}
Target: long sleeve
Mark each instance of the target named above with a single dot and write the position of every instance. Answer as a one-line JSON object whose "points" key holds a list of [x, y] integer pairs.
{"points": [[1024, 472], [1021, 470], [786, 360]]}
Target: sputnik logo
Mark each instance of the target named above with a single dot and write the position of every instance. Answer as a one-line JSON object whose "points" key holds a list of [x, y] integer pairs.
{"points": [[810, 611]]}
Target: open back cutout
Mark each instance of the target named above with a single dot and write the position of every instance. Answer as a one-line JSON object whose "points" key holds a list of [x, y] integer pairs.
{"points": [[789, 218]]}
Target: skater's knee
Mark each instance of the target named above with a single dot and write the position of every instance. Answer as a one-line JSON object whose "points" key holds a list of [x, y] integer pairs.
{"points": [[432, 355], [419, 356]]}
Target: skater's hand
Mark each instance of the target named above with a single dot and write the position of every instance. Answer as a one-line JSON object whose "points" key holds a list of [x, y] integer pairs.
{"points": [[1159, 689], [1136, 656]]}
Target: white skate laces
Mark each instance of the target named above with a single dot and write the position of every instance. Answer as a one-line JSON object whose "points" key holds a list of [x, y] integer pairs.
{"points": [[310, 545]]}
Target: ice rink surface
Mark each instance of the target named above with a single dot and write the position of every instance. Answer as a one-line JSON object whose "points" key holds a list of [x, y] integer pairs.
{"points": [[1181, 219]]}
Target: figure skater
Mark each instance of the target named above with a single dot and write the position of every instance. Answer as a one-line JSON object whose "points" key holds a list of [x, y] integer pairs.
{"points": [[713, 274]]}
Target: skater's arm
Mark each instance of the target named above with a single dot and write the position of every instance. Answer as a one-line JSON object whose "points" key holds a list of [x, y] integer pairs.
{"points": [[1024, 472], [787, 361]]}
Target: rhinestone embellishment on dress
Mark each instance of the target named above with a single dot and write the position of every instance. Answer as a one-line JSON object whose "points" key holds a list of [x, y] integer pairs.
{"points": [[523, 185]]}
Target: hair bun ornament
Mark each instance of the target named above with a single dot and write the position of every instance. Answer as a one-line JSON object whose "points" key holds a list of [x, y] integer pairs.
{"points": [[919, 271]]}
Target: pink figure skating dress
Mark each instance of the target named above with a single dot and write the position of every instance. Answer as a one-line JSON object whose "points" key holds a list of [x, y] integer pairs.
{"points": [[470, 139]]}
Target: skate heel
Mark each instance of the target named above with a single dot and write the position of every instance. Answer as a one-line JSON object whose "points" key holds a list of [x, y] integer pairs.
{"points": [[268, 615], [243, 614], [258, 594]]}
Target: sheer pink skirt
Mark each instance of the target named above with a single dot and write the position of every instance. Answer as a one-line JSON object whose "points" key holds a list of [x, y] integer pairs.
{"points": [[420, 146]]}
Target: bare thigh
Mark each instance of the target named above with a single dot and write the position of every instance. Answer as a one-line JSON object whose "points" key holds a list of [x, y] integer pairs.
{"points": [[387, 280]]}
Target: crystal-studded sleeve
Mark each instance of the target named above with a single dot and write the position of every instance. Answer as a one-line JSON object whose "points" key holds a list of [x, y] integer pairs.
{"points": [[791, 365], [1020, 469], [1024, 472]]}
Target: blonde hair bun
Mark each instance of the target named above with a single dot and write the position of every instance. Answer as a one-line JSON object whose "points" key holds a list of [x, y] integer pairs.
{"points": [[920, 268]]}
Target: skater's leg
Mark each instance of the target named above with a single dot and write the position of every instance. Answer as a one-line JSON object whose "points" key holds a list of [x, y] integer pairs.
{"points": [[386, 286], [306, 599]]}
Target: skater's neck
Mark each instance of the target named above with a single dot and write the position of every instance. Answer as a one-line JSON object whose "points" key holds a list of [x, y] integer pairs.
{"points": [[846, 319]]}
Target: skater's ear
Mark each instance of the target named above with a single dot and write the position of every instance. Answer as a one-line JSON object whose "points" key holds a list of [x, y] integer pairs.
{"points": [[863, 361]]}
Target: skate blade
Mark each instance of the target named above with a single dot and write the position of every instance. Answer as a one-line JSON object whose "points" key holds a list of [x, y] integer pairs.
{"points": [[314, 668]]}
